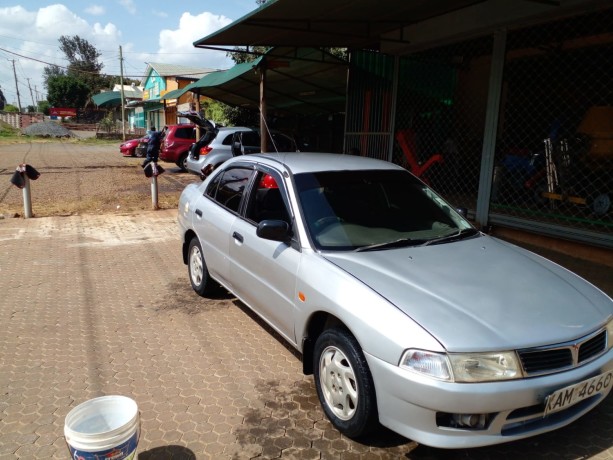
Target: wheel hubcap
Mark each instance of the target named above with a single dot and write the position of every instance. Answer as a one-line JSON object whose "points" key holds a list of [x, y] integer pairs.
{"points": [[338, 383], [196, 269]]}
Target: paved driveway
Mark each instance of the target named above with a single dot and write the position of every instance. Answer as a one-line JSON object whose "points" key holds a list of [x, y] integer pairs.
{"points": [[101, 304]]}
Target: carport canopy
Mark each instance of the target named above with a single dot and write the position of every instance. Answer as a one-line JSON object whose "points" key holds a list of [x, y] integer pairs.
{"points": [[298, 80], [390, 26], [107, 99]]}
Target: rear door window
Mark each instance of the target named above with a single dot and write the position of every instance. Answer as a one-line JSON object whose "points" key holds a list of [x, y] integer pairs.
{"points": [[228, 187], [185, 133], [250, 139]]}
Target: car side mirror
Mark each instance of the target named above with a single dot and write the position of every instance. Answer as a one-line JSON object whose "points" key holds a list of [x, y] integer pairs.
{"points": [[275, 230]]}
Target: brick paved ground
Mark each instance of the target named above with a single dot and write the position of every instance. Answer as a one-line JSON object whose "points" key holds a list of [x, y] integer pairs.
{"points": [[93, 305]]}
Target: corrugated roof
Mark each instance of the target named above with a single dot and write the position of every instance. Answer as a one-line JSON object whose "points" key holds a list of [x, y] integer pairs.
{"points": [[175, 70], [303, 80], [107, 99], [390, 26]]}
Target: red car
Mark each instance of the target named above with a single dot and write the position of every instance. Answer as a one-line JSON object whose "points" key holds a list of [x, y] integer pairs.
{"points": [[176, 142], [128, 148]]}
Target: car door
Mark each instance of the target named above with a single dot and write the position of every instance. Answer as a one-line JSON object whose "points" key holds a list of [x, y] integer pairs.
{"points": [[245, 142], [214, 215], [263, 272]]}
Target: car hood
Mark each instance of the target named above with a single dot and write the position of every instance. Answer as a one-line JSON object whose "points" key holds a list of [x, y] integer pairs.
{"points": [[481, 294]]}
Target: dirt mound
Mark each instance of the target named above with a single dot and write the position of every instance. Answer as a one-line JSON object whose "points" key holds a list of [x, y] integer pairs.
{"points": [[47, 129]]}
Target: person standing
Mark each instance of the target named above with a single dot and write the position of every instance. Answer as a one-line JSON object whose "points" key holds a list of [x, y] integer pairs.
{"points": [[153, 147]]}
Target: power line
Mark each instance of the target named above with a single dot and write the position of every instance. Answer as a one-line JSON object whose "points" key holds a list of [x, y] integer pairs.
{"points": [[84, 71]]}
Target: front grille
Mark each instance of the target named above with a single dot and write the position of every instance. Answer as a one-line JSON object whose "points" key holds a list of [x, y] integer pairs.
{"points": [[546, 360], [592, 347]]}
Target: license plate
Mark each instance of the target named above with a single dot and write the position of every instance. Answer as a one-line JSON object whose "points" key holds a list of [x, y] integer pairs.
{"points": [[566, 397]]}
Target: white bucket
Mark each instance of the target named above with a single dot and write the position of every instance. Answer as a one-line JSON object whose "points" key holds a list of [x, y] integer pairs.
{"points": [[103, 428]]}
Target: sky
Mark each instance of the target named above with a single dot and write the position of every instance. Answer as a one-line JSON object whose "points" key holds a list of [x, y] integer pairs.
{"points": [[148, 31]]}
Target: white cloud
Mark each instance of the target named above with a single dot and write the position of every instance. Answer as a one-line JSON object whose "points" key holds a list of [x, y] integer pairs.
{"points": [[160, 14], [55, 20], [178, 43], [128, 5], [95, 10], [45, 25]]}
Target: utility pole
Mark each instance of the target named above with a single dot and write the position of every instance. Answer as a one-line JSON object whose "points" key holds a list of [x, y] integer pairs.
{"points": [[32, 96], [123, 107], [16, 87]]}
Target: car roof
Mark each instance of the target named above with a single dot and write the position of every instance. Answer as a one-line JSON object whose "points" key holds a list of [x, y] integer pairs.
{"points": [[303, 162], [235, 128]]}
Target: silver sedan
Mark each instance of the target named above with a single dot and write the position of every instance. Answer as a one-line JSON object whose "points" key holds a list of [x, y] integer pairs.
{"points": [[406, 314]]}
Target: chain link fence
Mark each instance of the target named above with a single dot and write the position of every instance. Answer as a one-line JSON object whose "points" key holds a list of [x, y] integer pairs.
{"points": [[440, 117], [553, 155], [554, 161]]}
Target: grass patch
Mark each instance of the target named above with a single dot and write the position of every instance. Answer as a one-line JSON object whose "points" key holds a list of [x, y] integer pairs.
{"points": [[7, 131]]}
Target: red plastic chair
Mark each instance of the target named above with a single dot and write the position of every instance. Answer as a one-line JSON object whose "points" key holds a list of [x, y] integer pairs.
{"points": [[406, 140]]}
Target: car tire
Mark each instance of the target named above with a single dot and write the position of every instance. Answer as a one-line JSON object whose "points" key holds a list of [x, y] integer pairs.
{"points": [[344, 383], [182, 161], [196, 267]]}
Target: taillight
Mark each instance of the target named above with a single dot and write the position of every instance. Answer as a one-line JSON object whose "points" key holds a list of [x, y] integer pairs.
{"points": [[205, 150]]}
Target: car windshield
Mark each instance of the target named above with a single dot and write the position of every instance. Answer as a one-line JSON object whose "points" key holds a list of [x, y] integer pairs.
{"points": [[375, 210]]}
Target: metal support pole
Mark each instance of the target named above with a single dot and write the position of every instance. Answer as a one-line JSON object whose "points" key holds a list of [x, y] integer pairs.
{"points": [[123, 104], [395, 81], [27, 197], [263, 109], [491, 128], [154, 192]]}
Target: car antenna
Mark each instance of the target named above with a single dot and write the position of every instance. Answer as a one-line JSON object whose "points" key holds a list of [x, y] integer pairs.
{"points": [[268, 131]]}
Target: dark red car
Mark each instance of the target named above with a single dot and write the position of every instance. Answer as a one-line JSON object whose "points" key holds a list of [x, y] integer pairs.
{"points": [[176, 142], [129, 147]]}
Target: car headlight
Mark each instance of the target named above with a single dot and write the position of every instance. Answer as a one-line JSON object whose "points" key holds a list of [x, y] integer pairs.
{"points": [[485, 367], [610, 334], [427, 363], [463, 367]]}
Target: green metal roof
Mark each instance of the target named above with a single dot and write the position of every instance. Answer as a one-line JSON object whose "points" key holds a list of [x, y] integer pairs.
{"points": [[107, 99], [174, 94], [299, 80], [397, 27]]}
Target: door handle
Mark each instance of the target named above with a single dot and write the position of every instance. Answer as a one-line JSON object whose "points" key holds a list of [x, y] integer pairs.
{"points": [[198, 212], [238, 237]]}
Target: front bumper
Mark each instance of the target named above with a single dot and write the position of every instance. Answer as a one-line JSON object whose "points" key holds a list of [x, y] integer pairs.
{"points": [[409, 403]]}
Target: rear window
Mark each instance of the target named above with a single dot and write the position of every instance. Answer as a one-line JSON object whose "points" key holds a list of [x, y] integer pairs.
{"points": [[185, 133], [227, 140]]}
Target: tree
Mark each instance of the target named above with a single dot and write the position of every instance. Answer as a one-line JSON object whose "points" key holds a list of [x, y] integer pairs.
{"points": [[51, 71], [67, 91], [43, 107], [83, 66]]}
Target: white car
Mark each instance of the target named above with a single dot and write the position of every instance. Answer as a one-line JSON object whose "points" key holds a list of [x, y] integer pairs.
{"points": [[405, 313], [212, 149]]}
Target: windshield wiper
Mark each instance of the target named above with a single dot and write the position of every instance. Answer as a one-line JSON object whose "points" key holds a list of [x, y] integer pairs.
{"points": [[391, 244], [460, 234]]}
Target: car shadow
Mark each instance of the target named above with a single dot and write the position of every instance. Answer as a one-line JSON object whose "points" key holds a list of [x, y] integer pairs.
{"points": [[264, 325]]}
